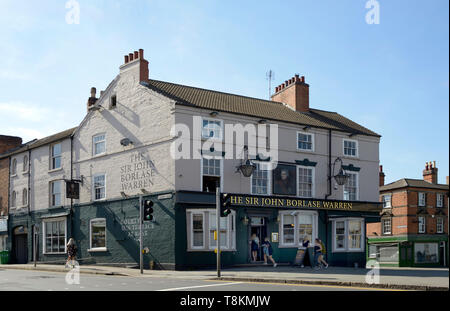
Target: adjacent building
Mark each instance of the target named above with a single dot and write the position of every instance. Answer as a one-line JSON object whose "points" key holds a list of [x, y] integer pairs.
{"points": [[414, 222], [172, 144]]}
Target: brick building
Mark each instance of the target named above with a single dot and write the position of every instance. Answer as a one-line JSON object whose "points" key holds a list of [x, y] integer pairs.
{"points": [[6, 143], [414, 222]]}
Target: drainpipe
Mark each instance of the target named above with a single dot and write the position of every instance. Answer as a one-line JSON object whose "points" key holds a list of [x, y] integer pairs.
{"points": [[29, 182], [71, 177], [328, 194]]}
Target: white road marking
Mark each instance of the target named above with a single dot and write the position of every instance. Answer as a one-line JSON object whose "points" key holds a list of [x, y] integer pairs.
{"points": [[180, 288]]}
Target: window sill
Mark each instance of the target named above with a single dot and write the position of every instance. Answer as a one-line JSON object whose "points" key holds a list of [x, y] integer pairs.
{"points": [[99, 155], [55, 170], [54, 253], [305, 150], [348, 251], [209, 250], [15, 175], [97, 250]]}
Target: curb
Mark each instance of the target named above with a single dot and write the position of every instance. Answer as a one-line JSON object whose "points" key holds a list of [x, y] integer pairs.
{"points": [[347, 284], [66, 270]]}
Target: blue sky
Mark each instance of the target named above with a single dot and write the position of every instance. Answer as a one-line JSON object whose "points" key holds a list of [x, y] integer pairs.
{"points": [[392, 77]]}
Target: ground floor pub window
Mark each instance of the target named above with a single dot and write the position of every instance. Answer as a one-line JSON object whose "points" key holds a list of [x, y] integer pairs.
{"points": [[384, 253], [426, 252], [348, 234], [55, 236], [296, 226], [98, 234], [3, 243], [201, 225]]}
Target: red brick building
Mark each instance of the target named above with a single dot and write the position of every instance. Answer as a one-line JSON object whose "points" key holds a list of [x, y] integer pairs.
{"points": [[6, 143], [414, 225]]}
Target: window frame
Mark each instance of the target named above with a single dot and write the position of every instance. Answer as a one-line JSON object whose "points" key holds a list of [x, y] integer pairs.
{"points": [[94, 199], [95, 143], [356, 148], [312, 142], [13, 199], [24, 197], [14, 167], [421, 225], [97, 249], [221, 171], [384, 201], [383, 226], [419, 199], [44, 240], [269, 177], [221, 129], [440, 224], [25, 164], [439, 202], [51, 183], [52, 157], [296, 243], [313, 187], [347, 248], [357, 187]]}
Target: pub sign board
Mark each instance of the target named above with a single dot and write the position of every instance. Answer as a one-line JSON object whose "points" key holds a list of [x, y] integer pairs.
{"points": [[238, 200], [72, 190]]}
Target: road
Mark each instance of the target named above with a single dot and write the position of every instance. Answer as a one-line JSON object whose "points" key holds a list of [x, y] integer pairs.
{"points": [[23, 280]]}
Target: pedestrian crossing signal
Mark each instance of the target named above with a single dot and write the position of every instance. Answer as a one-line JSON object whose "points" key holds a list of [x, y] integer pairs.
{"points": [[148, 210]]}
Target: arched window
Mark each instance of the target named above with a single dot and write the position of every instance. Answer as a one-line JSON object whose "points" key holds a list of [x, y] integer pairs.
{"points": [[14, 167], [13, 199], [25, 197], [25, 163]]}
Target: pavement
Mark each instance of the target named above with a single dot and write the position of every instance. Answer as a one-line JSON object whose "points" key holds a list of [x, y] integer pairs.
{"points": [[423, 279]]}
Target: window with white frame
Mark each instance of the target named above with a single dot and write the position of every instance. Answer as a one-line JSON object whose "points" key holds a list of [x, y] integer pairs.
{"points": [[348, 235], [305, 141], [212, 128], [201, 225], [98, 234], [350, 148], [261, 178], [14, 167], [55, 151], [351, 187], [99, 144], [386, 225], [422, 197], [13, 199], [305, 181], [56, 193], [387, 201], [439, 200], [55, 236], [440, 225], [25, 163], [422, 224], [99, 189], [296, 227], [211, 172], [24, 197]]}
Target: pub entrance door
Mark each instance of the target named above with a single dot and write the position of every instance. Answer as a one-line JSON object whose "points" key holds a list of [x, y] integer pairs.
{"points": [[20, 245], [257, 226]]}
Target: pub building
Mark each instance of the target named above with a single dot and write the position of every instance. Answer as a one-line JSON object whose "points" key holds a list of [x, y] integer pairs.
{"points": [[291, 172]]}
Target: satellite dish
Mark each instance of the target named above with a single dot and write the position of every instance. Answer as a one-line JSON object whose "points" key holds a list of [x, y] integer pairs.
{"points": [[125, 142]]}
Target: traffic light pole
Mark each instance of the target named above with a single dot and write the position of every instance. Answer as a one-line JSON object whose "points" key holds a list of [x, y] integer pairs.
{"points": [[141, 259], [218, 227]]}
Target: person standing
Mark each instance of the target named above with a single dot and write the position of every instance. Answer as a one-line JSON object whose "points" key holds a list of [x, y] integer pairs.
{"points": [[71, 252], [318, 255], [254, 247], [268, 251]]}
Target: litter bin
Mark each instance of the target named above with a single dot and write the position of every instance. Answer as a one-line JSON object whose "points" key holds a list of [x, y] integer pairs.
{"points": [[4, 257]]}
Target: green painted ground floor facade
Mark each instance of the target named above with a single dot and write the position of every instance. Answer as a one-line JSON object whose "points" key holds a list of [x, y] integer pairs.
{"points": [[181, 236], [409, 250]]}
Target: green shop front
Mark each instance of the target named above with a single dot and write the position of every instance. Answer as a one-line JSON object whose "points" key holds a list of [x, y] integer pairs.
{"points": [[285, 221]]}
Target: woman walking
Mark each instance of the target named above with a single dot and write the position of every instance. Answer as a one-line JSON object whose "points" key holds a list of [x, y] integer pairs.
{"points": [[254, 247], [71, 252], [318, 255], [268, 252]]}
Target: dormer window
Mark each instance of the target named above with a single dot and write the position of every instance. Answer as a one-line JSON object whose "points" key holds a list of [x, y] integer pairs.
{"points": [[113, 102]]}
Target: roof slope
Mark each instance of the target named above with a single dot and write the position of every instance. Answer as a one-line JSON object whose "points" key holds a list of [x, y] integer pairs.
{"points": [[265, 109], [38, 142], [416, 183]]}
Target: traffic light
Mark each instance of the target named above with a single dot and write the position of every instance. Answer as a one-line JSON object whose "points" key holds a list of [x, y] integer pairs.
{"points": [[148, 210], [225, 203]]}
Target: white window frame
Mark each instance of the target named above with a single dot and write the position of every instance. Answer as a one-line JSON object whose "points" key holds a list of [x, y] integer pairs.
{"points": [[98, 249], [14, 167], [25, 163], [313, 174], [383, 226], [296, 228], [25, 197], [439, 200], [94, 187], [422, 225], [422, 197], [384, 201], [201, 172], [44, 221], [221, 129], [230, 231], [440, 225], [13, 199], [192, 214], [357, 186], [347, 248], [51, 193], [312, 142], [52, 156], [95, 143], [269, 178], [356, 146]]}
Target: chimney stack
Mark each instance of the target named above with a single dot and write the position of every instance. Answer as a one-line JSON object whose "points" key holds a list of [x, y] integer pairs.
{"points": [[381, 176], [293, 92], [135, 63], [92, 100], [430, 173]]}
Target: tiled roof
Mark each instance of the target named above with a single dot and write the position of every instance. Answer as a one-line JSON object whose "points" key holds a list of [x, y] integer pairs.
{"points": [[264, 109], [416, 183], [38, 142]]}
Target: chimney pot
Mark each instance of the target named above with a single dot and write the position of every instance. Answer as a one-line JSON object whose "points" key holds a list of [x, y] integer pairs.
{"points": [[141, 53], [381, 168], [131, 56], [93, 91], [276, 89], [126, 59], [136, 54], [303, 79], [434, 164]]}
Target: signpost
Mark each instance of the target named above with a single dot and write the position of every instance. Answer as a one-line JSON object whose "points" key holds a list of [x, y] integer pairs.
{"points": [[218, 227], [35, 237], [140, 235]]}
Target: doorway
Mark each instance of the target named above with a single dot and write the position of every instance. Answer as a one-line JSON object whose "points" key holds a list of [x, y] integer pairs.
{"points": [[258, 227], [20, 245]]}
